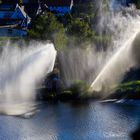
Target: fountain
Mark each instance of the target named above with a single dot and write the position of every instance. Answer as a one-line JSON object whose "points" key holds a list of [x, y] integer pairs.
{"points": [[106, 67], [123, 58], [22, 69], [80, 64]]}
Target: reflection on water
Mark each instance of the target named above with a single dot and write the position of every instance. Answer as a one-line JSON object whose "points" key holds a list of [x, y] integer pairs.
{"points": [[18, 109], [62, 121]]}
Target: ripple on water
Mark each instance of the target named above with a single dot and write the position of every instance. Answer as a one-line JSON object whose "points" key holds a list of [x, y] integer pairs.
{"points": [[62, 121]]}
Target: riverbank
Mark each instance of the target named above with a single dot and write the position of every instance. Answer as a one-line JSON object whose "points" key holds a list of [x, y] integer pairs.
{"points": [[129, 90]]}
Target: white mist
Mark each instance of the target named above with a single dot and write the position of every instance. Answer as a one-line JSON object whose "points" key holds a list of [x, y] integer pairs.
{"points": [[21, 70]]}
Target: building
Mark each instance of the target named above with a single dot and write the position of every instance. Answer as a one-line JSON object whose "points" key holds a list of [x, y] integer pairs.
{"points": [[15, 15], [33, 7], [13, 20], [30, 6], [59, 7]]}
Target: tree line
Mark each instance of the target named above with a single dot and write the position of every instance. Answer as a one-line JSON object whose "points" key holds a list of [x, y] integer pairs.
{"points": [[73, 29]]}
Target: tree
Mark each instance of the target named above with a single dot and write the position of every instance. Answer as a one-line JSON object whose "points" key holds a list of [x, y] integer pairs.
{"points": [[47, 27], [80, 32], [137, 3], [85, 8]]}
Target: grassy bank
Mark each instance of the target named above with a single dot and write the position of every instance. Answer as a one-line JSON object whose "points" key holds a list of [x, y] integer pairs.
{"points": [[130, 90]]}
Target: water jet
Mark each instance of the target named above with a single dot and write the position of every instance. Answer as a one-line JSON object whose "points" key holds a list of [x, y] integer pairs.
{"points": [[21, 71], [117, 66]]}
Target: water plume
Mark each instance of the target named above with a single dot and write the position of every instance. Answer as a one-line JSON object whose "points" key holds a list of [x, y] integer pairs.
{"points": [[136, 50], [21, 70], [80, 64], [123, 58], [121, 27]]}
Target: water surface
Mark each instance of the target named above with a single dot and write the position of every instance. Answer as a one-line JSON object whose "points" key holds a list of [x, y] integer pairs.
{"points": [[64, 121]]}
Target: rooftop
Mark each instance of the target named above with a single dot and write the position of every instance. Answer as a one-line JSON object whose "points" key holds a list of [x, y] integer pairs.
{"points": [[58, 2], [7, 7]]}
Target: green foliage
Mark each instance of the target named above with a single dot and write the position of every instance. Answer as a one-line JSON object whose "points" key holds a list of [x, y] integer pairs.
{"points": [[133, 86], [129, 84], [79, 88], [60, 39], [137, 3], [80, 32], [84, 9], [80, 27], [74, 29], [128, 90], [47, 27], [103, 41], [20, 1]]}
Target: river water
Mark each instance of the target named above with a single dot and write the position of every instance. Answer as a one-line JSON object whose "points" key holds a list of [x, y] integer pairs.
{"points": [[74, 121]]}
